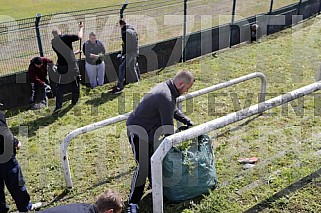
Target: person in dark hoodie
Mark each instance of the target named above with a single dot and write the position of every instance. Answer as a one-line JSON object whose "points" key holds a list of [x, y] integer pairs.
{"points": [[108, 202], [38, 74], [151, 119], [10, 172], [128, 68]]}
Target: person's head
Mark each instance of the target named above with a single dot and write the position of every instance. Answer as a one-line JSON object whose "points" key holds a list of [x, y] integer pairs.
{"points": [[122, 23], [37, 61], [56, 32], [254, 27], [92, 37], [183, 81], [109, 202]]}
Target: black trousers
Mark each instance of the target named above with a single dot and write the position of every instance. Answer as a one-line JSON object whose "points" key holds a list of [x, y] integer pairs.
{"points": [[60, 89], [143, 152]]}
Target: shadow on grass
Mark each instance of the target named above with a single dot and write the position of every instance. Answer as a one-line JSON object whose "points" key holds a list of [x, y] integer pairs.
{"points": [[146, 204], [103, 98], [239, 126], [63, 196], [34, 125], [267, 203], [17, 111]]}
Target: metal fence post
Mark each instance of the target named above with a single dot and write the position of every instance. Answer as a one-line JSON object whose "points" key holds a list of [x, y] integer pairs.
{"points": [[299, 7], [38, 17], [232, 22], [184, 31], [270, 12]]}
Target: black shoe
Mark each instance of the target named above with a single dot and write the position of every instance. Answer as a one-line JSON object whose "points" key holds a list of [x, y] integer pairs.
{"points": [[116, 90], [56, 111]]}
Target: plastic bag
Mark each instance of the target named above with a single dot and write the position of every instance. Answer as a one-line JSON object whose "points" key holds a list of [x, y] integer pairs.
{"points": [[190, 172]]}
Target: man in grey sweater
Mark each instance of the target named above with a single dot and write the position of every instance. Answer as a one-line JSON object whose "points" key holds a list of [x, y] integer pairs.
{"points": [[151, 119]]}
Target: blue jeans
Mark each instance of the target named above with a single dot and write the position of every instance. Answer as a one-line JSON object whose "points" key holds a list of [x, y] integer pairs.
{"points": [[11, 176]]}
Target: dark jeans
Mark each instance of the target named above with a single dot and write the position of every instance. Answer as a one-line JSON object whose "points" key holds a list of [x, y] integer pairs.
{"points": [[128, 70], [11, 176], [60, 89], [143, 151]]}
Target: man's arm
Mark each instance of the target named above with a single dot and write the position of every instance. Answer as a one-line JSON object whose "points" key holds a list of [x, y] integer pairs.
{"points": [[181, 117], [7, 132], [34, 77], [47, 60], [165, 109]]}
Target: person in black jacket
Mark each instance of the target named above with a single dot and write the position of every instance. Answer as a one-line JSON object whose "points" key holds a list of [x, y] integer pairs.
{"points": [[10, 172], [151, 119], [128, 68], [107, 202], [67, 65]]}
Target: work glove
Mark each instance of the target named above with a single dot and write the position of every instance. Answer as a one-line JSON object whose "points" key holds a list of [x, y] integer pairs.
{"points": [[190, 123], [54, 68], [47, 88]]}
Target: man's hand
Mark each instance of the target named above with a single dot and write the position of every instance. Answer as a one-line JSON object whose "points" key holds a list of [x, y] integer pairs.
{"points": [[77, 52], [190, 123], [81, 25]]}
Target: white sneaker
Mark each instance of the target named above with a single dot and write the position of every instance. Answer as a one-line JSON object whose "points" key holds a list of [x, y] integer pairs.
{"points": [[132, 208], [35, 206]]}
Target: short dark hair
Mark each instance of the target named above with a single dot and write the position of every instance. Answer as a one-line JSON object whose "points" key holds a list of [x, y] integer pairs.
{"points": [[37, 60], [184, 76], [109, 200]]}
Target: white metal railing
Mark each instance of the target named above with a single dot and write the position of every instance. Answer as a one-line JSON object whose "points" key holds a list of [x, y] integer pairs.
{"points": [[64, 145], [224, 85], [168, 142]]}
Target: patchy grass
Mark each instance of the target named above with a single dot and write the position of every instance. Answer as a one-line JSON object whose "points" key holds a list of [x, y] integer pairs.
{"points": [[286, 139]]}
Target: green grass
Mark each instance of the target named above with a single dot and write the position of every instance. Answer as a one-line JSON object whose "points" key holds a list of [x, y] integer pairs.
{"points": [[151, 24], [20, 9], [285, 139]]}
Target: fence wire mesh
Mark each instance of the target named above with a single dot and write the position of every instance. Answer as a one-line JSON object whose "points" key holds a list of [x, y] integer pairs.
{"points": [[154, 20]]}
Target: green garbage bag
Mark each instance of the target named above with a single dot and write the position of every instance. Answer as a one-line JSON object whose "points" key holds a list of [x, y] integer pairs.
{"points": [[189, 171]]}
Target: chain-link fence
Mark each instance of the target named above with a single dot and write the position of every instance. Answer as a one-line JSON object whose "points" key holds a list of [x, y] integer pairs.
{"points": [[154, 21]]}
